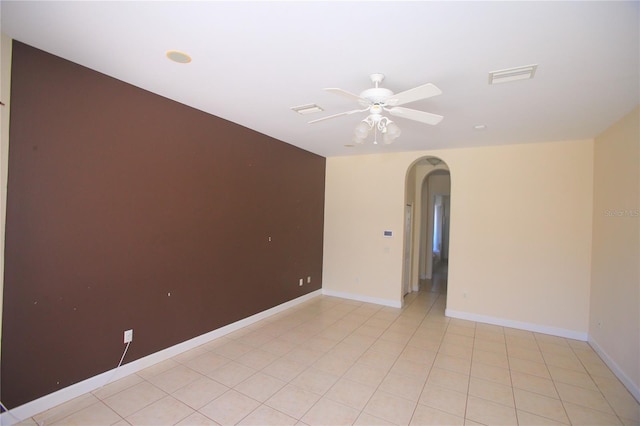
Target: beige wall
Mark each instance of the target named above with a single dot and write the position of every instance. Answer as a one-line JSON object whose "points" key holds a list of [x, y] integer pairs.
{"points": [[521, 234], [614, 325], [364, 196], [520, 241], [5, 86]]}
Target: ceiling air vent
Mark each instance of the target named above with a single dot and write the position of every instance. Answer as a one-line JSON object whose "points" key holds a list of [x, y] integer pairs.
{"points": [[307, 109], [512, 74]]}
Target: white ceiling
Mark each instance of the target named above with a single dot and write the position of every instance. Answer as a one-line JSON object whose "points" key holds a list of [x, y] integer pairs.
{"points": [[253, 61]]}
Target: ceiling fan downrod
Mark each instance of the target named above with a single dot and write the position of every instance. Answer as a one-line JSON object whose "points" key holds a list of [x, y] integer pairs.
{"points": [[376, 79]]}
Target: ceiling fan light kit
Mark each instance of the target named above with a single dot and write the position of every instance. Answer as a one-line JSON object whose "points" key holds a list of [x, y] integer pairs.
{"points": [[378, 100], [389, 130]]}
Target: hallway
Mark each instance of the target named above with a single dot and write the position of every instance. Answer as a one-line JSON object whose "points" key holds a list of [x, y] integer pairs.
{"points": [[438, 282]]}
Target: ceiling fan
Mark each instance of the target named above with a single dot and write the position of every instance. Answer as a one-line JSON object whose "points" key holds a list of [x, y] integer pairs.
{"points": [[378, 100]]}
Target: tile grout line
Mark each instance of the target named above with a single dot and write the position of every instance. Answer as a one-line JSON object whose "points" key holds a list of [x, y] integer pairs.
{"points": [[513, 388], [566, 413], [615, 412], [466, 404], [431, 367], [309, 366], [369, 347]]}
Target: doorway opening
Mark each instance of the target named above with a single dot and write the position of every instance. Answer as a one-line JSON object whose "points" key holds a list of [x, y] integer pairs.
{"points": [[439, 246], [427, 227]]}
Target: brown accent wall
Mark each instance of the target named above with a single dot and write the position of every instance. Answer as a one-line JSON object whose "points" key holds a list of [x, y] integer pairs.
{"points": [[118, 197]]}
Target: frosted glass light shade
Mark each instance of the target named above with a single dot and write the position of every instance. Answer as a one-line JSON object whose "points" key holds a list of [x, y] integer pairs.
{"points": [[362, 130], [393, 131]]}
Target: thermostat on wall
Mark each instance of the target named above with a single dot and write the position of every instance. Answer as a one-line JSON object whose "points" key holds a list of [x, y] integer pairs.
{"points": [[388, 234]]}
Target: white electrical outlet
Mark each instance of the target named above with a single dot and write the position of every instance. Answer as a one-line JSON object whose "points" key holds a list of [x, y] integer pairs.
{"points": [[308, 279], [301, 282], [128, 336]]}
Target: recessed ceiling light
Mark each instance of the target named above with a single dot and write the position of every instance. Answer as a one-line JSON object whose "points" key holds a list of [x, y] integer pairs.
{"points": [[480, 126], [307, 109], [179, 57], [512, 74]]}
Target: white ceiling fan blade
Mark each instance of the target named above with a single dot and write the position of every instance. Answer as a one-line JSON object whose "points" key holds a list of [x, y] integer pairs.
{"points": [[414, 114], [421, 92], [338, 115], [349, 95]]}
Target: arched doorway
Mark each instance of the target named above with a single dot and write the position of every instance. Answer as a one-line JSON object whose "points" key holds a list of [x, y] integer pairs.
{"points": [[427, 207]]}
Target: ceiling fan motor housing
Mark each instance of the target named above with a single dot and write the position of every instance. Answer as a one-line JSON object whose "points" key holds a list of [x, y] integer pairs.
{"points": [[375, 95]]}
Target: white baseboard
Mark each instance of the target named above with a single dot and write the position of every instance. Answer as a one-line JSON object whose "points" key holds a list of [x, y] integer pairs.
{"points": [[633, 388], [17, 414], [554, 331], [361, 298]]}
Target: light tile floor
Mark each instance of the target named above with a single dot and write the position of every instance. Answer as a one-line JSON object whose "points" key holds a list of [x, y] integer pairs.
{"points": [[331, 361]]}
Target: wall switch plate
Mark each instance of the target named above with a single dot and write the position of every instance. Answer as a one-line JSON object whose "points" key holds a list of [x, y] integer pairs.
{"points": [[308, 279], [301, 282], [128, 336]]}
